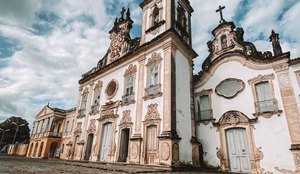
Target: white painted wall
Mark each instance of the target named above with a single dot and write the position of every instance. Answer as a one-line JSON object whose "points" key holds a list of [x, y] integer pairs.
{"points": [[271, 134], [183, 106]]}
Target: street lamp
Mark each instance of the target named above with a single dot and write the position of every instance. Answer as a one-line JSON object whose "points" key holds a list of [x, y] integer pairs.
{"points": [[18, 125], [3, 131]]}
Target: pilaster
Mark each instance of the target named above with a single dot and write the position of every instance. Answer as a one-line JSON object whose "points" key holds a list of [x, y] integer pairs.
{"points": [[139, 101], [290, 107]]}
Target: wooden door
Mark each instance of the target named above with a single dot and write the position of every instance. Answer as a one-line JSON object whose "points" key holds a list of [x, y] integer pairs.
{"points": [[124, 145], [238, 152], [151, 146], [106, 140], [89, 146]]}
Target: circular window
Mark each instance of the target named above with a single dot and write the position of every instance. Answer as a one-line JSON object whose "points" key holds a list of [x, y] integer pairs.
{"points": [[111, 89]]}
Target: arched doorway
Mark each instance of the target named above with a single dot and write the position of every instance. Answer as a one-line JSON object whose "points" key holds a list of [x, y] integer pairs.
{"points": [[41, 149], [35, 149], [237, 152], [53, 148], [30, 150], [124, 145], [106, 141], [88, 150]]}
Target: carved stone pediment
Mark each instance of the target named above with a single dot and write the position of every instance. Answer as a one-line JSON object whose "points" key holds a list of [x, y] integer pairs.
{"points": [[233, 118], [131, 70], [152, 112], [92, 127], [109, 110], [126, 117], [154, 59], [120, 41]]}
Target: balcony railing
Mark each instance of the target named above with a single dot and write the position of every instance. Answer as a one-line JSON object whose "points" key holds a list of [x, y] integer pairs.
{"points": [[94, 109], [46, 135], [204, 115], [81, 113], [266, 106]]}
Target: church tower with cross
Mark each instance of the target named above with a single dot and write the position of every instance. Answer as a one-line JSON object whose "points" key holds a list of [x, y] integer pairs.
{"points": [[246, 104]]}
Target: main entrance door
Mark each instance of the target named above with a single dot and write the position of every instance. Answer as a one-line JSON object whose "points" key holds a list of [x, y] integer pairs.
{"points": [[151, 148], [124, 145], [106, 139], [238, 152], [89, 146]]}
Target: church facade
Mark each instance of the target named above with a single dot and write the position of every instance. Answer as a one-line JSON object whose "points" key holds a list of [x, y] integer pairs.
{"points": [[141, 103]]}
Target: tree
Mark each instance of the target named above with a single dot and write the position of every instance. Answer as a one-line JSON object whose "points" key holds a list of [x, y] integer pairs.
{"points": [[11, 123]]}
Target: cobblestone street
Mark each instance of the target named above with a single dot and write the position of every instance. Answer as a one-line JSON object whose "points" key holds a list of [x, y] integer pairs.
{"points": [[22, 165]]}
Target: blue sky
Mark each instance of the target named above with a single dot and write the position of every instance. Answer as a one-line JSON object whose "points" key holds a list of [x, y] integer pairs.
{"points": [[45, 46]]}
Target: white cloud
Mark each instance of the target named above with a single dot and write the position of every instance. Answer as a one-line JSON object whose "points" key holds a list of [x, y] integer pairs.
{"points": [[47, 67]]}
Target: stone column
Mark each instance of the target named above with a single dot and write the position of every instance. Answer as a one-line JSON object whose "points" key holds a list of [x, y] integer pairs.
{"points": [[50, 124], [290, 107]]}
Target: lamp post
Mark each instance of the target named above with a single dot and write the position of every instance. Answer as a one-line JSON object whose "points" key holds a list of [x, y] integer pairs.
{"points": [[18, 125], [3, 131]]}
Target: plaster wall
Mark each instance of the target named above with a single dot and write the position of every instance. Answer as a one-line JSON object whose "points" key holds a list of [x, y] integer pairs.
{"points": [[183, 106], [270, 134]]}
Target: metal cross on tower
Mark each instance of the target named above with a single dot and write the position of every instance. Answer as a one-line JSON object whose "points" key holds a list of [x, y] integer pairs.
{"points": [[221, 14]]}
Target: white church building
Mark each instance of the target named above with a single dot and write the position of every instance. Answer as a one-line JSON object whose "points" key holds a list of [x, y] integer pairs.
{"points": [[141, 103]]}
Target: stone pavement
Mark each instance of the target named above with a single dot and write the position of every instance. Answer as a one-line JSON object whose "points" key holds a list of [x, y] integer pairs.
{"points": [[23, 165]]}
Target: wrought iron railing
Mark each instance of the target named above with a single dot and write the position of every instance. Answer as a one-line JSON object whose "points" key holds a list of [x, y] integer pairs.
{"points": [[81, 113], [95, 109], [204, 115], [266, 106], [47, 135]]}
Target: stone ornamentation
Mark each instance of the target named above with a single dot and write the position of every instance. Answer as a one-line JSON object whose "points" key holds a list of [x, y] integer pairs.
{"points": [[261, 78], [258, 154], [78, 129], [92, 127], [131, 70], [152, 112], [165, 154], [154, 59], [126, 117]]}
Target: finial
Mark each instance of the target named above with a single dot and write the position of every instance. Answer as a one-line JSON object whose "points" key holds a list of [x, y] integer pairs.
{"points": [[128, 13], [122, 13], [274, 38], [116, 21], [221, 14]]}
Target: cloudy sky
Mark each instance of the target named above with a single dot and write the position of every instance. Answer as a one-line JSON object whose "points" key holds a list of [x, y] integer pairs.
{"points": [[45, 45]]}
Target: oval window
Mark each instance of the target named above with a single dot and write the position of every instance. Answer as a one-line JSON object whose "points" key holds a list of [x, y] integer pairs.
{"points": [[111, 89]]}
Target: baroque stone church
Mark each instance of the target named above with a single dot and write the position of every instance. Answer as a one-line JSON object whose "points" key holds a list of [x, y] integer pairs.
{"points": [[141, 103]]}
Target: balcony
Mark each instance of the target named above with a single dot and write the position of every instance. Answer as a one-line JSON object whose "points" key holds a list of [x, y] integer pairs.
{"points": [[266, 105], [204, 115], [266, 108], [46, 135], [81, 113], [94, 109], [153, 91]]}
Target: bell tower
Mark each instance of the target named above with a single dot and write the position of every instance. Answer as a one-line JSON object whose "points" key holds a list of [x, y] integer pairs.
{"points": [[160, 16]]}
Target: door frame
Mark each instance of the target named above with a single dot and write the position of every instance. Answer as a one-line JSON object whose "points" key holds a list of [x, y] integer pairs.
{"points": [[89, 145], [231, 120], [125, 123], [111, 152], [247, 146]]}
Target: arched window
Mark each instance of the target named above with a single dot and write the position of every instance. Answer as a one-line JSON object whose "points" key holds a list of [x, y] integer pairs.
{"points": [[155, 16], [223, 42]]}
